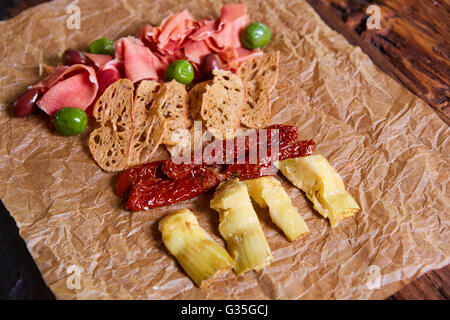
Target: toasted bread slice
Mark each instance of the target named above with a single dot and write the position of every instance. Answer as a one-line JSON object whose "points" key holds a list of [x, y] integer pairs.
{"points": [[110, 144], [259, 77], [149, 129], [196, 98], [171, 106], [219, 103], [184, 143], [144, 98]]}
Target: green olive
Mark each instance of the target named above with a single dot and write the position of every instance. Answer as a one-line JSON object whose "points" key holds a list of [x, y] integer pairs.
{"points": [[255, 35], [102, 46], [70, 121], [180, 70]]}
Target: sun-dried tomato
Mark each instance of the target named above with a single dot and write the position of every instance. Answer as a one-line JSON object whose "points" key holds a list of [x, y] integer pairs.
{"points": [[144, 196], [181, 171], [264, 166], [150, 172], [286, 135]]}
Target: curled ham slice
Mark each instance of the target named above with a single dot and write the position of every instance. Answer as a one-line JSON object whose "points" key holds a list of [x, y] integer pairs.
{"points": [[75, 86], [54, 75], [232, 21], [98, 59], [107, 74], [172, 31], [223, 37], [226, 42], [146, 36], [232, 12], [205, 29], [229, 35], [138, 60], [195, 51]]}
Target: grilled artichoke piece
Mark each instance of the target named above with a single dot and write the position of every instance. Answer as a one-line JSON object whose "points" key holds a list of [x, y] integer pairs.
{"points": [[200, 256], [322, 185], [268, 192], [240, 227]]}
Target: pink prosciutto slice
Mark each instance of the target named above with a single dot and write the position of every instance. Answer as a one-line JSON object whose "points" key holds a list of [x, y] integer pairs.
{"points": [[204, 29], [98, 59], [75, 86], [54, 75], [138, 60], [172, 31], [195, 51], [146, 36], [231, 12], [107, 74], [232, 21]]}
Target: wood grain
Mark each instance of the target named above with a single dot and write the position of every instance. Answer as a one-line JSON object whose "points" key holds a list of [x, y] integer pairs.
{"points": [[413, 44], [434, 285]]}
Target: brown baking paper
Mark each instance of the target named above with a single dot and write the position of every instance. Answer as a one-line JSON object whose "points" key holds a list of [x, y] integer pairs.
{"points": [[388, 145]]}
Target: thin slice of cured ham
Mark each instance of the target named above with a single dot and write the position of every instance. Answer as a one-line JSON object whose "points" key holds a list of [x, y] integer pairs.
{"points": [[232, 21], [54, 75], [195, 51], [146, 36], [138, 60], [231, 12], [107, 74], [173, 30], [75, 86], [204, 29], [98, 59]]}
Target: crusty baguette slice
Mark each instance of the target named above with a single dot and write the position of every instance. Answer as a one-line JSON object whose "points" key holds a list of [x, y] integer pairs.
{"points": [[148, 129], [171, 106], [183, 144], [196, 98], [144, 98], [147, 141], [259, 77], [219, 103], [110, 143]]}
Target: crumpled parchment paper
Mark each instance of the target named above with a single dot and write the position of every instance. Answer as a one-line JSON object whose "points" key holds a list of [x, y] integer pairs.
{"points": [[388, 145]]}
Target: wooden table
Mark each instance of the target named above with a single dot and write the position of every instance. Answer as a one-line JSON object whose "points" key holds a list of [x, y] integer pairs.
{"points": [[412, 46]]}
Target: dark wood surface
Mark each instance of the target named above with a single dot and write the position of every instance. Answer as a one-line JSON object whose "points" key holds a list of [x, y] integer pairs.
{"points": [[412, 47]]}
